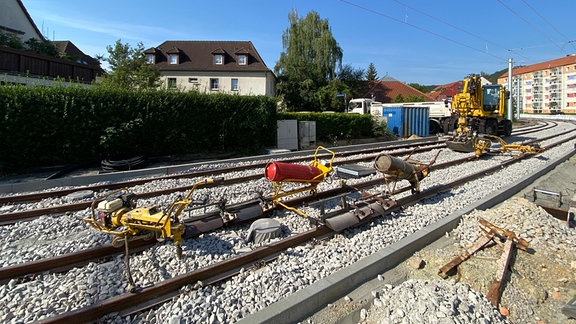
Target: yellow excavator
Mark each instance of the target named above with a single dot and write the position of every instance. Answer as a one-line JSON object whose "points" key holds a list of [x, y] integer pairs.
{"points": [[479, 113]]}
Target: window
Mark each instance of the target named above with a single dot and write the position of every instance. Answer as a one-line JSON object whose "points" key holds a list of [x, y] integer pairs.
{"points": [[218, 59], [150, 58], [171, 83], [234, 85], [242, 60], [214, 84], [173, 58], [192, 80]]}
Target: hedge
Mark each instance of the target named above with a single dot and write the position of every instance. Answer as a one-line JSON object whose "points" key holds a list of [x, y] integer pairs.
{"points": [[335, 126], [41, 126]]}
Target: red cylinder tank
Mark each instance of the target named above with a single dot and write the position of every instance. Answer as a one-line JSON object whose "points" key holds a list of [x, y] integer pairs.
{"points": [[279, 171]]}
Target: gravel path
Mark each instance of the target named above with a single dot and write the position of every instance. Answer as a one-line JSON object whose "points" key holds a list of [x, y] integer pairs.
{"points": [[49, 294]]}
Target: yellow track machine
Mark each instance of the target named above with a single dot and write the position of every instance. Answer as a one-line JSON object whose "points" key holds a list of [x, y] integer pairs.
{"points": [[480, 112], [117, 214]]}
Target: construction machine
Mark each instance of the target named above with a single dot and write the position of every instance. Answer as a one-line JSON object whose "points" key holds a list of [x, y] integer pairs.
{"points": [[479, 111], [117, 214]]}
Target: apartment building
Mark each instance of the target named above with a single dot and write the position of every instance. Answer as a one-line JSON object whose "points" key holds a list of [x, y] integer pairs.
{"points": [[546, 88]]}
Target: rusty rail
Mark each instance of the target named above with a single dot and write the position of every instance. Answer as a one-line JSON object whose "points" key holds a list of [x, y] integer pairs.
{"points": [[118, 303]]}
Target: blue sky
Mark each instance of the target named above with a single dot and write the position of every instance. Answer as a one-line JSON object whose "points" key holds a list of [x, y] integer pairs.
{"points": [[414, 41]]}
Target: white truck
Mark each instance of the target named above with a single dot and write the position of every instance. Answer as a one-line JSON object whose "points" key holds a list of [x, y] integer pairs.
{"points": [[440, 111], [362, 105]]}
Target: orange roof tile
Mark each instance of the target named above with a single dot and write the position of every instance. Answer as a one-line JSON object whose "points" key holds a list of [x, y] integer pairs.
{"points": [[387, 91]]}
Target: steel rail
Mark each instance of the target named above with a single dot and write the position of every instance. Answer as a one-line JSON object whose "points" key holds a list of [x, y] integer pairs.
{"points": [[65, 262], [11, 218], [169, 286], [31, 197], [74, 259], [37, 196]]}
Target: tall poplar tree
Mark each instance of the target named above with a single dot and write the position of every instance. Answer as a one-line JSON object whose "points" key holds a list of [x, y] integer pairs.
{"points": [[309, 61]]}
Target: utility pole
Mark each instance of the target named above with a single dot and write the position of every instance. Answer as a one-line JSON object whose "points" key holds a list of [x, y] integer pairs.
{"points": [[510, 89], [518, 95]]}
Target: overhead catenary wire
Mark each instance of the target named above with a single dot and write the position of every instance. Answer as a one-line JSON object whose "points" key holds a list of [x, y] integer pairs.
{"points": [[530, 24], [423, 30], [486, 41], [549, 24]]}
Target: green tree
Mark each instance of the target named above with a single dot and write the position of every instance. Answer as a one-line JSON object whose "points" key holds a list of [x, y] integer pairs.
{"points": [[327, 96], [371, 74], [413, 98], [353, 78], [399, 98], [420, 87], [10, 40], [129, 69], [41, 47], [309, 61]]}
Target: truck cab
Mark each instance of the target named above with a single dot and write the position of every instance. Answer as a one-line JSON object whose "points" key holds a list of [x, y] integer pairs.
{"points": [[361, 106]]}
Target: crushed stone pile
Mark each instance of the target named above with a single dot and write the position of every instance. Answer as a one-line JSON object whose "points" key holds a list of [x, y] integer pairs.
{"points": [[540, 282]]}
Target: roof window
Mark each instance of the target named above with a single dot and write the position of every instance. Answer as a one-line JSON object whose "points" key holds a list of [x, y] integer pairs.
{"points": [[218, 59], [242, 59], [173, 58]]}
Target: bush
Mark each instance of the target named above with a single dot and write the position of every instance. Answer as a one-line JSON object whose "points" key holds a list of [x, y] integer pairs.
{"points": [[42, 126], [334, 126]]}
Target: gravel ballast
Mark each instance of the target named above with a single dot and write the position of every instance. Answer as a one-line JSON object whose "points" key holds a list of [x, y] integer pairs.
{"points": [[46, 295]]}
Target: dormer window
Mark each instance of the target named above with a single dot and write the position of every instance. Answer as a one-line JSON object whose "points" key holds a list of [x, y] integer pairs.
{"points": [[151, 55], [218, 59], [242, 59], [174, 55]]}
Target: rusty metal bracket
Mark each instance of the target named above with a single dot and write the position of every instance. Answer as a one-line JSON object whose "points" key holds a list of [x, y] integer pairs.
{"points": [[496, 288], [504, 234], [479, 244], [490, 232]]}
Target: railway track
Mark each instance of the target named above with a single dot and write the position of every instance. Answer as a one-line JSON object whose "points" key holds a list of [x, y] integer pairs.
{"points": [[237, 180], [167, 288], [65, 262], [133, 301], [93, 190]]}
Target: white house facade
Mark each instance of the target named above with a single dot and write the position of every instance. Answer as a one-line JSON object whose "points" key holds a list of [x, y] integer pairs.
{"points": [[232, 67]]}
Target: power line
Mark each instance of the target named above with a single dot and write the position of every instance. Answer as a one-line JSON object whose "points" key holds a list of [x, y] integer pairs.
{"points": [[549, 24], [422, 29], [527, 22], [456, 27]]}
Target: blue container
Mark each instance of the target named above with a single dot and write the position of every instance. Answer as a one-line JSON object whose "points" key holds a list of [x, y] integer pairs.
{"points": [[394, 119], [407, 121]]}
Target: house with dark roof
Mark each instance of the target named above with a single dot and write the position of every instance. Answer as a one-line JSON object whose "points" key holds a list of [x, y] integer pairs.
{"points": [[68, 50], [388, 89], [29, 67], [232, 67]]}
